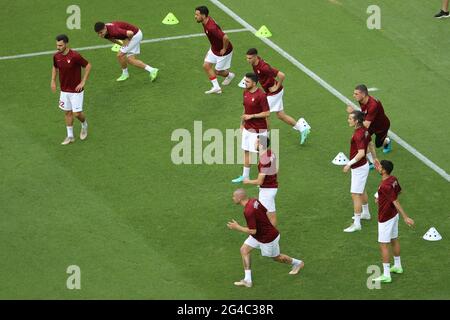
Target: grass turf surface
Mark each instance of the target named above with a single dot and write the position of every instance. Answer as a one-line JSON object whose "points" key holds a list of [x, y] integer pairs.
{"points": [[141, 227]]}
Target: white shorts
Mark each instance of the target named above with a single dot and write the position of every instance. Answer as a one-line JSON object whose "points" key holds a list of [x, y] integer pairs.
{"points": [[71, 101], [249, 139], [276, 101], [134, 46], [221, 62], [388, 230], [271, 249], [359, 179], [267, 198]]}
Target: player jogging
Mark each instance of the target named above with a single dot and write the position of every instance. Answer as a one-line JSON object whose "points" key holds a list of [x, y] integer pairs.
{"points": [[271, 80], [219, 54], [129, 37], [262, 235], [68, 64]]}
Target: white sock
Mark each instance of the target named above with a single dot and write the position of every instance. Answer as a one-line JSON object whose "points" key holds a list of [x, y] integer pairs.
{"points": [[70, 132], [386, 270], [149, 68], [397, 262], [84, 124], [246, 172], [387, 140], [125, 71], [248, 275], [215, 83], [230, 75], [365, 208], [357, 221], [369, 157], [296, 262]]}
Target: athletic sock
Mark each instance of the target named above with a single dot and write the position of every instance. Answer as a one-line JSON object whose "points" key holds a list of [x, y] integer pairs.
{"points": [[397, 262], [246, 172], [357, 220], [149, 68], [214, 82], [365, 208], [296, 262], [84, 124], [387, 140], [386, 270], [70, 132], [248, 275], [125, 71], [369, 157]]}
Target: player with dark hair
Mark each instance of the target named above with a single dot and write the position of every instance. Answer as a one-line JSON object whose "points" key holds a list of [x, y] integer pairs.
{"points": [[68, 63], [129, 38], [220, 53]]}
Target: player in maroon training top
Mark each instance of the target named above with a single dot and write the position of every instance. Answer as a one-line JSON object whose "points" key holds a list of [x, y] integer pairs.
{"points": [[271, 80], [129, 37], [253, 121], [388, 209], [267, 177], [220, 53], [375, 120], [68, 63], [262, 235], [360, 169]]}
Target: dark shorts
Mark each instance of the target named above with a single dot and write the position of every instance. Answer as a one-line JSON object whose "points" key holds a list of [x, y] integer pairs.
{"points": [[379, 138]]}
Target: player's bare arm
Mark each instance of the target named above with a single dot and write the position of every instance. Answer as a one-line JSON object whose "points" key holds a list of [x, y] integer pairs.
{"points": [[130, 34], [408, 220], [233, 225], [367, 124], [264, 114], [226, 41], [371, 149], [85, 77], [259, 181], [280, 78], [53, 81], [361, 154]]}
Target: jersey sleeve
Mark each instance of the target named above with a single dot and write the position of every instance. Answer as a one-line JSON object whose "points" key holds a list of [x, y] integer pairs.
{"points": [[360, 141], [264, 102], [82, 61], [54, 62], [251, 219]]}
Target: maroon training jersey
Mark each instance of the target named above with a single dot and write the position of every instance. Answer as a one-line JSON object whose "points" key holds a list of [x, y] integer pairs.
{"points": [[254, 103], [387, 194], [266, 75], [268, 166], [373, 111], [118, 30], [69, 67], [215, 36], [256, 216], [360, 140]]}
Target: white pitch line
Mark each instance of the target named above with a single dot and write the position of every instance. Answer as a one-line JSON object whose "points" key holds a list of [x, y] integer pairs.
{"points": [[42, 53], [328, 87], [372, 89]]}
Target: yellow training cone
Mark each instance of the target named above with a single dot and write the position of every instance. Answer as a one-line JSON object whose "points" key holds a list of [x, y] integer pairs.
{"points": [[115, 48], [170, 19], [263, 32]]}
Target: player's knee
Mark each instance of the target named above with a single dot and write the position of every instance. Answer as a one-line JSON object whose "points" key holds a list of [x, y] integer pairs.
{"points": [[206, 66], [244, 250]]}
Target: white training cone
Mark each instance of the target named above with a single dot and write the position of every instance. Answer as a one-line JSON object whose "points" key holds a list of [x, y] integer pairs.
{"points": [[242, 83], [432, 235], [340, 159], [303, 124]]}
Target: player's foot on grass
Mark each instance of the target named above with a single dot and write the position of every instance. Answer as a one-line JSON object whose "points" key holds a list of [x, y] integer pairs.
{"points": [[68, 140], [383, 279], [123, 77], [83, 133], [154, 74], [304, 135], [353, 228], [387, 148], [396, 269], [238, 179], [214, 90], [243, 283], [442, 14], [228, 79], [296, 269]]}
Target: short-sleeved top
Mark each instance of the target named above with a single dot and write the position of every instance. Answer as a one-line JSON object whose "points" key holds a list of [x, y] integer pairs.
{"points": [[388, 192], [215, 36], [266, 75], [256, 216], [254, 103], [374, 112], [69, 67], [267, 165], [360, 140], [118, 30]]}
